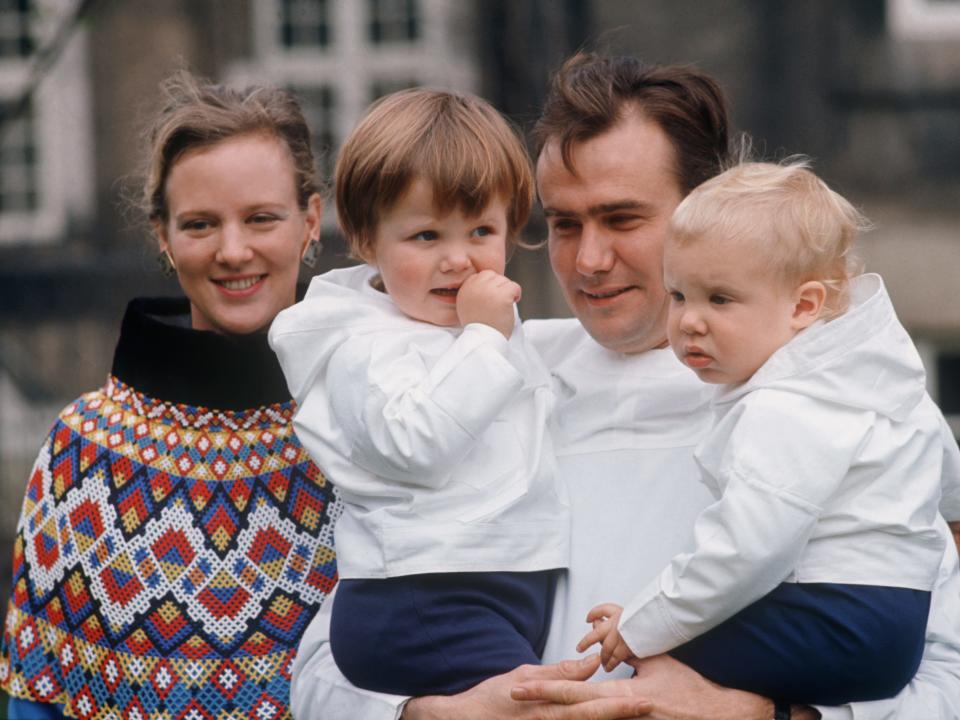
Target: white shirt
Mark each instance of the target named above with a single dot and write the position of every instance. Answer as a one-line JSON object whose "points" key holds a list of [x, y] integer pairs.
{"points": [[436, 437], [829, 463], [617, 547], [627, 426]]}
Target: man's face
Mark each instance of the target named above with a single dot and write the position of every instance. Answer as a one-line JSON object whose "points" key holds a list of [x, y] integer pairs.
{"points": [[607, 226]]}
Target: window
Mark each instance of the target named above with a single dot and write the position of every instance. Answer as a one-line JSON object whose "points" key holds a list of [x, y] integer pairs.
{"points": [[18, 158], [393, 21], [304, 24], [15, 38]]}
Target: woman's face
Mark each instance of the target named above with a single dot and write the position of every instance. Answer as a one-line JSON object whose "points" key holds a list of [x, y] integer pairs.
{"points": [[235, 232]]}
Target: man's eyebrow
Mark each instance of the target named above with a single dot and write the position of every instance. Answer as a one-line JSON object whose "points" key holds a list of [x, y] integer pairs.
{"points": [[601, 209], [610, 207]]}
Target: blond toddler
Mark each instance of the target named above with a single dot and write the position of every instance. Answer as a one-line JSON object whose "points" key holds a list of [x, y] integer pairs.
{"points": [[811, 574]]}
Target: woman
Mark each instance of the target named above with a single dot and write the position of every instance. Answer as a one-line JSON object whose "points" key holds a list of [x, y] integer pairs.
{"points": [[175, 539]]}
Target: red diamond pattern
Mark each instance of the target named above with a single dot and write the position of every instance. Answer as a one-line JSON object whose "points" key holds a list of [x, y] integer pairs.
{"points": [[45, 686], [229, 678], [267, 708], [111, 672], [135, 711], [163, 679], [84, 704]]}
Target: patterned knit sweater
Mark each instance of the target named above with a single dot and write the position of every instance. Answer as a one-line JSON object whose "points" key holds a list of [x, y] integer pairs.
{"points": [[175, 539]]}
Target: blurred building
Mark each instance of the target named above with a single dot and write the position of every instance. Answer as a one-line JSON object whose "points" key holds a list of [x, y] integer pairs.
{"points": [[869, 88]]}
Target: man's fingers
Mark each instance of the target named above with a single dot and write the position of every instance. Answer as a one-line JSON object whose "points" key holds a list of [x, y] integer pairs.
{"points": [[609, 698], [575, 670], [565, 692], [578, 670], [617, 708]]}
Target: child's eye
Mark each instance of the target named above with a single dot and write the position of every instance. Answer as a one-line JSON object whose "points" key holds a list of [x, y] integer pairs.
{"points": [[482, 231], [425, 235], [719, 299], [676, 296]]}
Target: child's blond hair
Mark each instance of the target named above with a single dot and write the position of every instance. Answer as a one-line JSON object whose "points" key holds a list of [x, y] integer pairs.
{"points": [[457, 143], [805, 230]]}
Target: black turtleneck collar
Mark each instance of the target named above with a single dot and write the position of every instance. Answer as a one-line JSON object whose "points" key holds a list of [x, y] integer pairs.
{"points": [[159, 355]]}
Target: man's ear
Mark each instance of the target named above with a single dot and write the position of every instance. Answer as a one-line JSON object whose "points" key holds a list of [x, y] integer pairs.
{"points": [[808, 300]]}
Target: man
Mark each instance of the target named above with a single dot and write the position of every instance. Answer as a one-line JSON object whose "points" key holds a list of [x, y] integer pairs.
{"points": [[619, 145]]}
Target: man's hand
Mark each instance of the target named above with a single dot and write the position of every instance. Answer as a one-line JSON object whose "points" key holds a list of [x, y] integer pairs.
{"points": [[488, 298], [955, 529], [492, 699], [676, 691], [613, 650]]}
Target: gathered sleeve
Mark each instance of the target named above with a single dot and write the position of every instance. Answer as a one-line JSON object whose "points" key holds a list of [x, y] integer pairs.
{"points": [[404, 415], [777, 478]]}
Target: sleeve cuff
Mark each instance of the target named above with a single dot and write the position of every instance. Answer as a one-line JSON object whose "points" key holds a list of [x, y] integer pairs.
{"points": [[480, 334], [646, 627]]}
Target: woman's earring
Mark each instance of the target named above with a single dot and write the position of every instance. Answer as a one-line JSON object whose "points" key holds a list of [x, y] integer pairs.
{"points": [[165, 263], [311, 255]]}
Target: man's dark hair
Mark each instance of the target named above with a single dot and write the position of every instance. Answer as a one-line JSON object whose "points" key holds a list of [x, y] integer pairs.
{"points": [[590, 94]]}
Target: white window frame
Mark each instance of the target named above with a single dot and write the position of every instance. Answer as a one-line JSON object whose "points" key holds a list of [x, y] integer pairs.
{"points": [[923, 19], [350, 63]]}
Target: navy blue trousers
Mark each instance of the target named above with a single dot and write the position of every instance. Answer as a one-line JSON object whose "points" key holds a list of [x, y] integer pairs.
{"points": [[817, 643], [439, 634]]}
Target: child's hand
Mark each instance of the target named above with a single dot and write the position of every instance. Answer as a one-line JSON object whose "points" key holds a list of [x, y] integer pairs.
{"points": [[613, 650], [488, 298]]}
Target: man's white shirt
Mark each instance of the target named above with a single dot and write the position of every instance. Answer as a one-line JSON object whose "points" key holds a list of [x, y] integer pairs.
{"points": [[626, 429]]}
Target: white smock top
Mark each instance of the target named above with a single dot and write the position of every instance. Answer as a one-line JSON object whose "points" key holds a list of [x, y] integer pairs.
{"points": [[828, 463], [627, 428], [436, 437]]}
